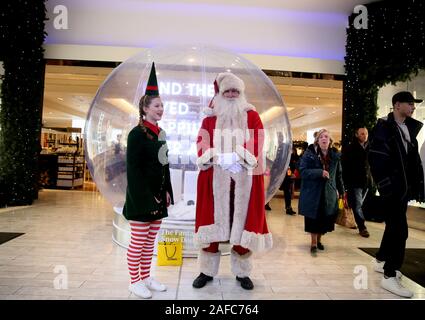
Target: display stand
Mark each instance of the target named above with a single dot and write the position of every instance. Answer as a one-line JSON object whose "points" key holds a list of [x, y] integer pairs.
{"points": [[70, 170]]}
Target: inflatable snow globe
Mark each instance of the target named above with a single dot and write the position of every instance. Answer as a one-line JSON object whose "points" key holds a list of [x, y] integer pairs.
{"points": [[185, 78]]}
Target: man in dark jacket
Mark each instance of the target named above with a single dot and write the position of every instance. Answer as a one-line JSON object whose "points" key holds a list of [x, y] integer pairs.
{"points": [[356, 175], [397, 170]]}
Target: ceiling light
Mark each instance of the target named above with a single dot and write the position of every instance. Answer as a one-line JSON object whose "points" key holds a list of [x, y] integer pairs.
{"points": [[60, 99], [122, 104], [299, 115], [272, 113]]}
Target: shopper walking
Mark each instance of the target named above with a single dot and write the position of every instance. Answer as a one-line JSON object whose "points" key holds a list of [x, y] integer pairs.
{"points": [[321, 186], [397, 170], [356, 176], [149, 191]]}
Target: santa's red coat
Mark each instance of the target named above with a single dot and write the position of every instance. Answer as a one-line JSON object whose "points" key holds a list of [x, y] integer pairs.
{"points": [[254, 233]]}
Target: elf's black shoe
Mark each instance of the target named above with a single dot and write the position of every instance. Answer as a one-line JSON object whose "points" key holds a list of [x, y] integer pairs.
{"points": [[246, 283], [201, 281]]}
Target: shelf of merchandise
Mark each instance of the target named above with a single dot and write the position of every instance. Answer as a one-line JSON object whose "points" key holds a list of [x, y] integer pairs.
{"points": [[70, 170]]}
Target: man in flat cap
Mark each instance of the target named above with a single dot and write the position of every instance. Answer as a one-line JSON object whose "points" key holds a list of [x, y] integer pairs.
{"points": [[397, 170]]}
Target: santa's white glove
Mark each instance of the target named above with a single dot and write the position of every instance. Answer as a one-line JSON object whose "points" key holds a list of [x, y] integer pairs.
{"points": [[226, 160], [235, 168]]}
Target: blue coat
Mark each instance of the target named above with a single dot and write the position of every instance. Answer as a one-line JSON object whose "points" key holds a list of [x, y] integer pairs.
{"points": [[312, 184]]}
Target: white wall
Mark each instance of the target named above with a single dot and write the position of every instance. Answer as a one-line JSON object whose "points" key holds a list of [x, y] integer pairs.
{"points": [[295, 39], [265, 62]]}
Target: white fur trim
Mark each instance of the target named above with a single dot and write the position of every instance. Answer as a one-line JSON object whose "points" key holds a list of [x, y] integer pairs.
{"points": [[210, 233], [209, 112], [249, 107], [221, 230], [249, 159], [204, 161], [243, 186], [227, 80], [209, 262], [256, 242], [241, 265]]}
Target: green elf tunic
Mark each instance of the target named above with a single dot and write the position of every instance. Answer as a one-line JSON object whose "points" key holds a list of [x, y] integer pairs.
{"points": [[148, 174]]}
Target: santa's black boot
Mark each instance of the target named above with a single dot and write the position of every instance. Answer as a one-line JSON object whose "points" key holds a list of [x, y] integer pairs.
{"points": [[209, 263], [241, 267]]}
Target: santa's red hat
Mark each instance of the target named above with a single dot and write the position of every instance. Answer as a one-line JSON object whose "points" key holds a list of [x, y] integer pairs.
{"points": [[227, 80]]}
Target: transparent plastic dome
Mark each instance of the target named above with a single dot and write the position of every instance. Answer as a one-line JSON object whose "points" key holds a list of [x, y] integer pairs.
{"points": [[185, 78]]}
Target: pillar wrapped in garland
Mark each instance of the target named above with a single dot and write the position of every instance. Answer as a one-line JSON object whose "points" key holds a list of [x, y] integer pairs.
{"points": [[389, 50], [21, 39]]}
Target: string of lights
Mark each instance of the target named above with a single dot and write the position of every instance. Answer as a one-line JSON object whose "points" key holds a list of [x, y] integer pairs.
{"points": [[21, 38], [389, 50]]}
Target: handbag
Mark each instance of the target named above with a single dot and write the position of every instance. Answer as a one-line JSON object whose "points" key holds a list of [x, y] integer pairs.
{"points": [[345, 215]]}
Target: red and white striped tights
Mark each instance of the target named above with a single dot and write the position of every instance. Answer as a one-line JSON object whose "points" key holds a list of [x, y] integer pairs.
{"points": [[140, 251]]}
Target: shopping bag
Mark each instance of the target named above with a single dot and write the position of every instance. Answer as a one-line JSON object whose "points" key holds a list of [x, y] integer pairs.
{"points": [[170, 251], [170, 254], [340, 204], [345, 216]]}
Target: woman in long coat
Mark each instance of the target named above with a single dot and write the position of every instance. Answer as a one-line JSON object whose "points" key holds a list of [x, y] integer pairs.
{"points": [[149, 191], [321, 186]]}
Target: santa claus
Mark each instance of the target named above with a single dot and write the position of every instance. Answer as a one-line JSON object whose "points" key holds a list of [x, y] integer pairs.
{"points": [[230, 190]]}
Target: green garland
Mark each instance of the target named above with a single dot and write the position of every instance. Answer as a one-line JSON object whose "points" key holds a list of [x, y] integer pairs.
{"points": [[22, 35], [391, 49]]}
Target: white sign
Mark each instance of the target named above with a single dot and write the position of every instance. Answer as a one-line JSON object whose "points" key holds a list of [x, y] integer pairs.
{"points": [[189, 89]]}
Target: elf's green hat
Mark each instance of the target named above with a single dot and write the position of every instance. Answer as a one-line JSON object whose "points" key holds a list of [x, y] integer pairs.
{"points": [[152, 86]]}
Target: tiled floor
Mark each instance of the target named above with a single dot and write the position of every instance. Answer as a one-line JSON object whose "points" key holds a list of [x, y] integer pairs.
{"points": [[68, 240]]}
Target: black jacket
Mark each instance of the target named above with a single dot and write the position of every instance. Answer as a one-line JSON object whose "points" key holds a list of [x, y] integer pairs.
{"points": [[147, 177], [355, 166], [397, 174], [293, 165]]}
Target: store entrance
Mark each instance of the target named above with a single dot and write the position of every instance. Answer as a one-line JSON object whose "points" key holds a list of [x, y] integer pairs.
{"points": [[68, 93]]}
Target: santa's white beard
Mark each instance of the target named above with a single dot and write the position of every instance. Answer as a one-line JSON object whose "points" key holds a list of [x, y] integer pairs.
{"points": [[230, 112], [231, 122]]}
